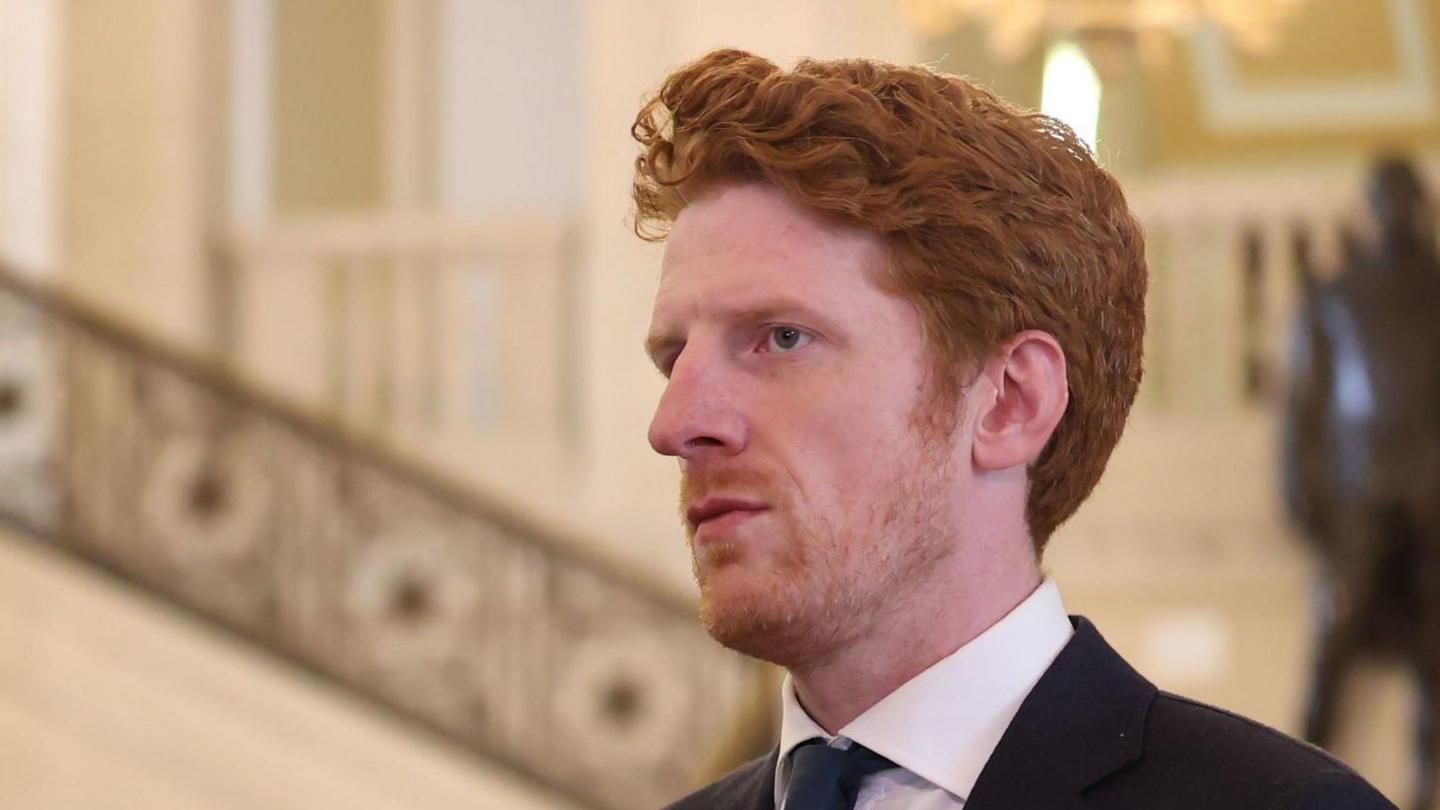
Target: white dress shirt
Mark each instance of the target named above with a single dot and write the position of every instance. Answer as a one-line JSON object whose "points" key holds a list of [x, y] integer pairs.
{"points": [[941, 726]]}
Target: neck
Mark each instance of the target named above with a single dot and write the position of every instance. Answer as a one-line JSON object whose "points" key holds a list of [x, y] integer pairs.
{"points": [[939, 617]]}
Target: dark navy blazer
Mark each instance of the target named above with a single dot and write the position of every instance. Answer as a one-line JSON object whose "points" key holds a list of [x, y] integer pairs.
{"points": [[1095, 734]]}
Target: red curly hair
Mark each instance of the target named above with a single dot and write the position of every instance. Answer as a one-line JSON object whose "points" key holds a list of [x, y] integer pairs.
{"points": [[997, 220]]}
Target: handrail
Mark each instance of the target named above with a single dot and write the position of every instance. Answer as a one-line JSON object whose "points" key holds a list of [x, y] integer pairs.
{"points": [[205, 371], [489, 625]]}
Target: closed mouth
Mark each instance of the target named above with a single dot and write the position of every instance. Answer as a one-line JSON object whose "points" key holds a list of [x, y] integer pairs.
{"points": [[712, 508]]}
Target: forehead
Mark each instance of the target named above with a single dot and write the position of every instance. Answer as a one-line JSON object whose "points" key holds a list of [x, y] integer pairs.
{"points": [[752, 241]]}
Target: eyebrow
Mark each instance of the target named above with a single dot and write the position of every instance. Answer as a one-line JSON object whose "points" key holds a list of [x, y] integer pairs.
{"points": [[662, 341]]}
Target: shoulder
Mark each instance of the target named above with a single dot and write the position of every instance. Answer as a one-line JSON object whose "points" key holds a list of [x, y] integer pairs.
{"points": [[1239, 762], [748, 787], [1101, 730]]}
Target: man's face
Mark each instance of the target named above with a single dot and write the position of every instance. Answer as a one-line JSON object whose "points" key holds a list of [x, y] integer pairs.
{"points": [[811, 491]]}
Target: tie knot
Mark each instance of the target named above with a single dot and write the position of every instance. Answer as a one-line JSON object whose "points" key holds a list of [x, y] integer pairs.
{"points": [[826, 778]]}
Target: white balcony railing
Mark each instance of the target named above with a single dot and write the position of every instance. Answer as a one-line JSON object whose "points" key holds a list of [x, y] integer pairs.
{"points": [[449, 336]]}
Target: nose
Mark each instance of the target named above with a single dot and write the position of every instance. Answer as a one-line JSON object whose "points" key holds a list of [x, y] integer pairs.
{"points": [[698, 414]]}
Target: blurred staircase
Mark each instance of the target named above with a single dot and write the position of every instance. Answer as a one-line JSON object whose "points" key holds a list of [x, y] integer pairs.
{"points": [[464, 616], [110, 699]]}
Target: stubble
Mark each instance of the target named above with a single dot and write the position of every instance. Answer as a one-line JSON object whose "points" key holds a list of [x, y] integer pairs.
{"points": [[823, 580]]}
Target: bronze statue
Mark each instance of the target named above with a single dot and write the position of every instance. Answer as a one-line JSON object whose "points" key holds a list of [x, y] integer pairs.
{"points": [[1361, 457]]}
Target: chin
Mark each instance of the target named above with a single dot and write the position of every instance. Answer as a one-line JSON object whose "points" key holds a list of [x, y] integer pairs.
{"points": [[751, 633], [762, 618], [740, 610]]}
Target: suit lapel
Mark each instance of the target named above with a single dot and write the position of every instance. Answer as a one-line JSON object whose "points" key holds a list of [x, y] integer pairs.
{"points": [[1083, 721], [757, 792]]}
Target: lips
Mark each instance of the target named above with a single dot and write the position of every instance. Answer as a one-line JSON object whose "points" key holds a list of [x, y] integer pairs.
{"points": [[728, 510]]}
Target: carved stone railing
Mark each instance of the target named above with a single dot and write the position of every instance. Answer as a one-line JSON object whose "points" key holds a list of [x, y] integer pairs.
{"points": [[1223, 279], [395, 322], [1222, 247], [474, 621]]}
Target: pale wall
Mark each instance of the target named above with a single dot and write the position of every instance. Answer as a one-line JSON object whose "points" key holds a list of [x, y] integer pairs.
{"points": [[139, 160], [329, 109], [30, 63], [510, 113]]}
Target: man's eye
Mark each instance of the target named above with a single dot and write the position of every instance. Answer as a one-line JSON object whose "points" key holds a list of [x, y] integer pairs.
{"points": [[785, 339]]}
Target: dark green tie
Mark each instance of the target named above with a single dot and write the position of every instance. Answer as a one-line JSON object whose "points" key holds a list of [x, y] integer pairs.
{"points": [[826, 778]]}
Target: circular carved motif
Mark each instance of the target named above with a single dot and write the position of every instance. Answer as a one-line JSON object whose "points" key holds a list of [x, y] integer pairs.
{"points": [[623, 699], [12, 397], [412, 597], [206, 503], [28, 405]]}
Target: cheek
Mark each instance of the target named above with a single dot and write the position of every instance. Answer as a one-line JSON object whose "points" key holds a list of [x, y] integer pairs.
{"points": [[842, 431], [850, 444], [874, 405]]}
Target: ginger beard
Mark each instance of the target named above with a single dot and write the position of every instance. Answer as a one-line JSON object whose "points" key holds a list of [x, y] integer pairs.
{"points": [[811, 581]]}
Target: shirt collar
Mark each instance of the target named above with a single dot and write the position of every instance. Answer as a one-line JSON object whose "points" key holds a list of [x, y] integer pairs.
{"points": [[944, 723]]}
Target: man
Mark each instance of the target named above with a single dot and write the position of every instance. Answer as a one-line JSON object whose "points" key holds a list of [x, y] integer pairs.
{"points": [[901, 325]]}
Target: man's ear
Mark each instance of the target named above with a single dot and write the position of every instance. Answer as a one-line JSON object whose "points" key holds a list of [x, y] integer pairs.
{"points": [[1021, 397]]}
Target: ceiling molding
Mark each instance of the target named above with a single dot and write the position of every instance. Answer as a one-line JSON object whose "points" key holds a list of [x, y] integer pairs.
{"points": [[1231, 105]]}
